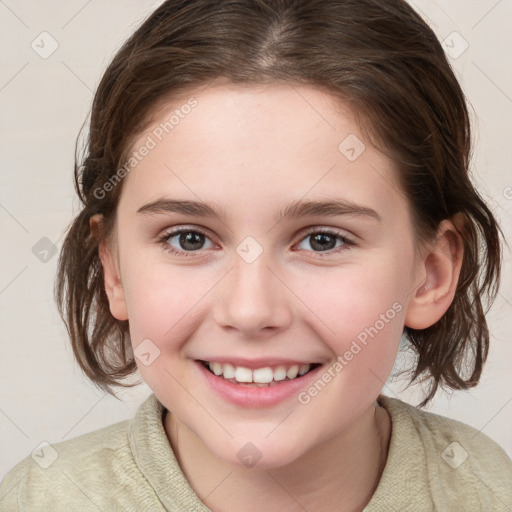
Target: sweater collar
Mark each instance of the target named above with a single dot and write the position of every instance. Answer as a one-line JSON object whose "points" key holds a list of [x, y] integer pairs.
{"points": [[154, 456], [403, 484]]}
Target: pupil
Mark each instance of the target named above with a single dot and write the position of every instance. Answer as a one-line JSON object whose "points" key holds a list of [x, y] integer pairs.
{"points": [[317, 240], [195, 239]]}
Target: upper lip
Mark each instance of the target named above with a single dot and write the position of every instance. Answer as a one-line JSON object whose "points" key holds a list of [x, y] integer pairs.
{"points": [[256, 363]]}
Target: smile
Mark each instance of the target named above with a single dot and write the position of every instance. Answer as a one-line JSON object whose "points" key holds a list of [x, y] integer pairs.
{"points": [[266, 376], [237, 380]]}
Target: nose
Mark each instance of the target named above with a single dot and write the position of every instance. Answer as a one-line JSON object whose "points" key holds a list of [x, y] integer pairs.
{"points": [[253, 299]]}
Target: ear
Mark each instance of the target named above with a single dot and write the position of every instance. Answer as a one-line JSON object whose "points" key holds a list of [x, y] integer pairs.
{"points": [[438, 275], [113, 284]]}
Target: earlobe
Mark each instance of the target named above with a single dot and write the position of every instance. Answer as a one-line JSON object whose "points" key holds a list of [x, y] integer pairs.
{"points": [[438, 275], [113, 285]]}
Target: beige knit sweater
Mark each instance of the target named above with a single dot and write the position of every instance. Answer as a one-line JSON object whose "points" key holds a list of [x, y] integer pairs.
{"points": [[434, 464]]}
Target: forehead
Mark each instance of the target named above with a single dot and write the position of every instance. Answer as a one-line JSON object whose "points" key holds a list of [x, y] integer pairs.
{"points": [[257, 146]]}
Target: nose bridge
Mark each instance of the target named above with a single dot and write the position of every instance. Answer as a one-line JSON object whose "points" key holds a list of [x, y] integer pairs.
{"points": [[253, 298]]}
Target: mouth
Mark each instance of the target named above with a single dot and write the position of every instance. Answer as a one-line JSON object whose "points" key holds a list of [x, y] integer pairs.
{"points": [[266, 376]]}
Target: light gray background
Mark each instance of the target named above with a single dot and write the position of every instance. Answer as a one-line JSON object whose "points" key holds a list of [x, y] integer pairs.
{"points": [[43, 102]]}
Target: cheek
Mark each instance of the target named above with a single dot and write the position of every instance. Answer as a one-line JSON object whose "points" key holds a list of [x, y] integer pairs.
{"points": [[360, 310], [166, 303], [161, 309], [352, 297], [160, 300]]}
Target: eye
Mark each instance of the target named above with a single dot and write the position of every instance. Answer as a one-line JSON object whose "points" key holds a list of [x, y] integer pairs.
{"points": [[324, 240], [188, 241]]}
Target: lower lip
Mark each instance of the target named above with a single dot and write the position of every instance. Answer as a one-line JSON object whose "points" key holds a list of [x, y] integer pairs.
{"points": [[255, 397]]}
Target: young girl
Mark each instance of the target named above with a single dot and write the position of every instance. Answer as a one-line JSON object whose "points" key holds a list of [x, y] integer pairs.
{"points": [[275, 193]]}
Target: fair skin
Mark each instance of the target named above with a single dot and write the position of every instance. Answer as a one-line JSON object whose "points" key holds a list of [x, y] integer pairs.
{"points": [[252, 152]]}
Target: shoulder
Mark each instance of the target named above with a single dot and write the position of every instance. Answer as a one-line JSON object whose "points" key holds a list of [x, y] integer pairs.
{"points": [[462, 464], [66, 468], [455, 442], [112, 468]]}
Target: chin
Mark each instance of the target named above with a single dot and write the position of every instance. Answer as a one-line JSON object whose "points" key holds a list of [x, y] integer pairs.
{"points": [[249, 453]]}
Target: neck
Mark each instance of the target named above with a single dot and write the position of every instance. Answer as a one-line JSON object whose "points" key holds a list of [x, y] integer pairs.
{"points": [[340, 474]]}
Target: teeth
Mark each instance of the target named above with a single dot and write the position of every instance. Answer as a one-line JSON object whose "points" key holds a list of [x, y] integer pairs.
{"points": [[303, 369], [216, 368], [243, 374], [261, 377], [228, 370], [292, 371], [280, 373]]}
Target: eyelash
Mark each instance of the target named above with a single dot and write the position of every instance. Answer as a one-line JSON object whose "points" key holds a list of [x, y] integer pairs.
{"points": [[347, 242]]}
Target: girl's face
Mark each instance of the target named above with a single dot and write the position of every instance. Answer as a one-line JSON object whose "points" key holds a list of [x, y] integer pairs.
{"points": [[258, 284]]}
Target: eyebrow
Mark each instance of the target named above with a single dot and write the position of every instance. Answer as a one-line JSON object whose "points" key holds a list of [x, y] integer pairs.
{"points": [[295, 209]]}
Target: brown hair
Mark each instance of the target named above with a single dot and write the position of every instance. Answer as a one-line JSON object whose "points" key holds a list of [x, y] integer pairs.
{"points": [[379, 56]]}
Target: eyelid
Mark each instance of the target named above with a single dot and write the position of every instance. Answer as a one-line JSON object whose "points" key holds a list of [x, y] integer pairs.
{"points": [[305, 231], [347, 240], [329, 230], [185, 227]]}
